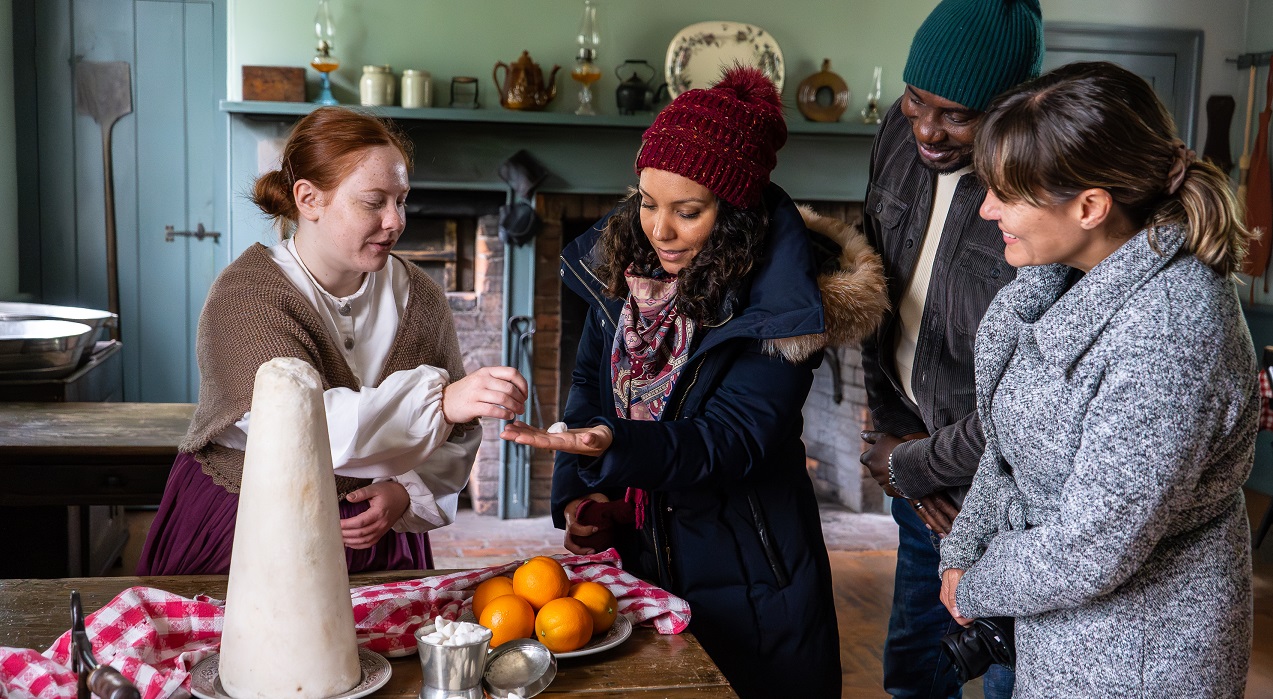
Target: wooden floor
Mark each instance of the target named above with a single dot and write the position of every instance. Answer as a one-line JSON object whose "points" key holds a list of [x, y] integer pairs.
{"points": [[863, 589], [1260, 679]]}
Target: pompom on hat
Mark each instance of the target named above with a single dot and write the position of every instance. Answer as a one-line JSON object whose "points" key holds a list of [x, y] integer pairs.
{"points": [[969, 51], [725, 138]]}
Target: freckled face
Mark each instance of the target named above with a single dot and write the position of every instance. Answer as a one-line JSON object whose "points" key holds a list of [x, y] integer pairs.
{"points": [[677, 216], [360, 221], [943, 129]]}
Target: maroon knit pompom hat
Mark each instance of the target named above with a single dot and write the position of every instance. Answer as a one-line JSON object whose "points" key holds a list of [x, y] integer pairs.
{"points": [[725, 138]]}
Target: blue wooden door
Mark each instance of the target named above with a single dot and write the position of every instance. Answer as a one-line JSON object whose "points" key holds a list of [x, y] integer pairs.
{"points": [[180, 143], [169, 157]]}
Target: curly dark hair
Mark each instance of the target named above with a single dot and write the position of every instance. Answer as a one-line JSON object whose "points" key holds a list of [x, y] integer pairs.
{"points": [[731, 251]]}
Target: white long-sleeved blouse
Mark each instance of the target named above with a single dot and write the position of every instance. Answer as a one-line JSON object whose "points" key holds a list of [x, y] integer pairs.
{"points": [[391, 431]]}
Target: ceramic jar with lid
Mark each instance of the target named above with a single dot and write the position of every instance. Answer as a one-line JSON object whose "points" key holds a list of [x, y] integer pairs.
{"points": [[376, 88], [417, 89]]}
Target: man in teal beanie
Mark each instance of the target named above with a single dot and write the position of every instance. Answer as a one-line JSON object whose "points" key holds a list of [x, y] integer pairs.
{"points": [[944, 264]]}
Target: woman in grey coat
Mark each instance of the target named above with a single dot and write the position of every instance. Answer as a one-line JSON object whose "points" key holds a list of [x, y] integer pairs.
{"points": [[1120, 413]]}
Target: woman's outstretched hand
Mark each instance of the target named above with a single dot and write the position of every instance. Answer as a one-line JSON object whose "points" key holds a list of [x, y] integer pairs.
{"points": [[492, 391], [585, 441]]}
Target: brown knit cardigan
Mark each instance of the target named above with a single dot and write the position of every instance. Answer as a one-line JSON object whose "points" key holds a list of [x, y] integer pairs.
{"points": [[254, 313]]}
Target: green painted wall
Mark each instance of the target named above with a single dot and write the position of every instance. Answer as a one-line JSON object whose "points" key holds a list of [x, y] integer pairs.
{"points": [[451, 38], [8, 160], [1259, 25], [466, 38]]}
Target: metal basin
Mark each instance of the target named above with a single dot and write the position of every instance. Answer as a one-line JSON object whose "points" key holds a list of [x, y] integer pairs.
{"points": [[41, 349], [95, 319]]}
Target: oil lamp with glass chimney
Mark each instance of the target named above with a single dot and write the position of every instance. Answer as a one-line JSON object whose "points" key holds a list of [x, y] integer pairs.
{"points": [[586, 71], [323, 61]]}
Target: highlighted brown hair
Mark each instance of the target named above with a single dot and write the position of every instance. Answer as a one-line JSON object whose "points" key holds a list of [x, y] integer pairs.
{"points": [[324, 147], [1097, 125]]}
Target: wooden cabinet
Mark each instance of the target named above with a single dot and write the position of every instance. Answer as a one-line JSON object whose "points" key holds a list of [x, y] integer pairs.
{"points": [[61, 541]]}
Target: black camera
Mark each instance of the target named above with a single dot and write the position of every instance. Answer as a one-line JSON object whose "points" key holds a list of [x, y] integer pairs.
{"points": [[975, 648]]}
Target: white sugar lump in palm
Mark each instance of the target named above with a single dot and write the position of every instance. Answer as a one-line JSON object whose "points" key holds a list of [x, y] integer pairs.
{"points": [[557, 428]]}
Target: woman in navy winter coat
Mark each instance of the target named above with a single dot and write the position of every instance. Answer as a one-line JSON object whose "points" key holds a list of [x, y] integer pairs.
{"points": [[708, 315]]}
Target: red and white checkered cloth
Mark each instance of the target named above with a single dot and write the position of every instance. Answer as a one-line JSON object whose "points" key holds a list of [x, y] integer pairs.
{"points": [[155, 638], [1266, 399]]}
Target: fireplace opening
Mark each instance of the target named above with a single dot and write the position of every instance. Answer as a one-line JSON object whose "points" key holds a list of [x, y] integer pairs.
{"points": [[441, 233]]}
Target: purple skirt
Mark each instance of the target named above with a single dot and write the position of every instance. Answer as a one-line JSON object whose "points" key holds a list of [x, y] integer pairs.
{"points": [[193, 532]]}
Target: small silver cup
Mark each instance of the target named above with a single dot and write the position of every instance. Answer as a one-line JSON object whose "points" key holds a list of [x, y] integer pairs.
{"points": [[450, 671]]}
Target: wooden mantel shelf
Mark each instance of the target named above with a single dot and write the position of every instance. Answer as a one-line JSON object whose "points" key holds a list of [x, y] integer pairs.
{"points": [[462, 149], [498, 115]]}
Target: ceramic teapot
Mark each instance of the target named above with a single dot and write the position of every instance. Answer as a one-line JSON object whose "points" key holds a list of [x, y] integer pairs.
{"points": [[634, 93], [523, 86]]}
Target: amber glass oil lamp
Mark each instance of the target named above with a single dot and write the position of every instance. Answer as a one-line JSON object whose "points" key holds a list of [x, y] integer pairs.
{"points": [[323, 61], [586, 71]]}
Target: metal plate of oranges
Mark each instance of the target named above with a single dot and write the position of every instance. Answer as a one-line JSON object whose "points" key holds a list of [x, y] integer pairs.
{"points": [[540, 602]]}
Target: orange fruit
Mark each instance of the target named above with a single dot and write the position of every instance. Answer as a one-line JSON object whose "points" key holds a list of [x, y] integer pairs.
{"points": [[563, 625], [491, 588], [600, 602], [540, 581], [508, 617]]}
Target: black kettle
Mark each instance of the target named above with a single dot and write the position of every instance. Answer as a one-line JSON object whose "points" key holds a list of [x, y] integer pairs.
{"points": [[634, 93]]}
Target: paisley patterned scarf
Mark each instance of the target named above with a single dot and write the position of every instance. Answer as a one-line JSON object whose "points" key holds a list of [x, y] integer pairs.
{"points": [[650, 350]]}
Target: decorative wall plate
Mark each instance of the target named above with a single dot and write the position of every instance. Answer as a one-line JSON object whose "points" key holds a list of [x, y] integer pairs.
{"points": [[699, 52]]}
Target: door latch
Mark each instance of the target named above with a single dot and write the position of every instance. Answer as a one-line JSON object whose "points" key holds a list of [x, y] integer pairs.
{"points": [[199, 233]]}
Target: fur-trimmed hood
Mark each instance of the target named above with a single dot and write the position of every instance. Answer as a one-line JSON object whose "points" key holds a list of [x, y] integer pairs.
{"points": [[854, 296]]}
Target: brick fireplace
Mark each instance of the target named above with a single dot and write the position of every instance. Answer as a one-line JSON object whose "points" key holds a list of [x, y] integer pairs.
{"points": [[834, 413]]}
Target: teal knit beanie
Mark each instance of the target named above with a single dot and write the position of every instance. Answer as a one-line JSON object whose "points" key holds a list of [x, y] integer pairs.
{"points": [[969, 51]]}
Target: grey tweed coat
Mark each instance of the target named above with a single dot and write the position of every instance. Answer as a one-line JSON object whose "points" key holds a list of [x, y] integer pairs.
{"points": [[1107, 514]]}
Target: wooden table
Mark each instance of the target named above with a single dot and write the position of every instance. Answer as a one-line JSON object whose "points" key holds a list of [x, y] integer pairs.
{"points": [[33, 613], [88, 453], [91, 458]]}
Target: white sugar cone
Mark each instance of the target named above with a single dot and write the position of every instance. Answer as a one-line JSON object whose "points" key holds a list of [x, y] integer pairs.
{"points": [[289, 621]]}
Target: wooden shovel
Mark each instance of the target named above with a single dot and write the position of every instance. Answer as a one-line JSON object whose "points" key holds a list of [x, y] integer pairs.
{"points": [[1244, 161], [104, 91]]}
